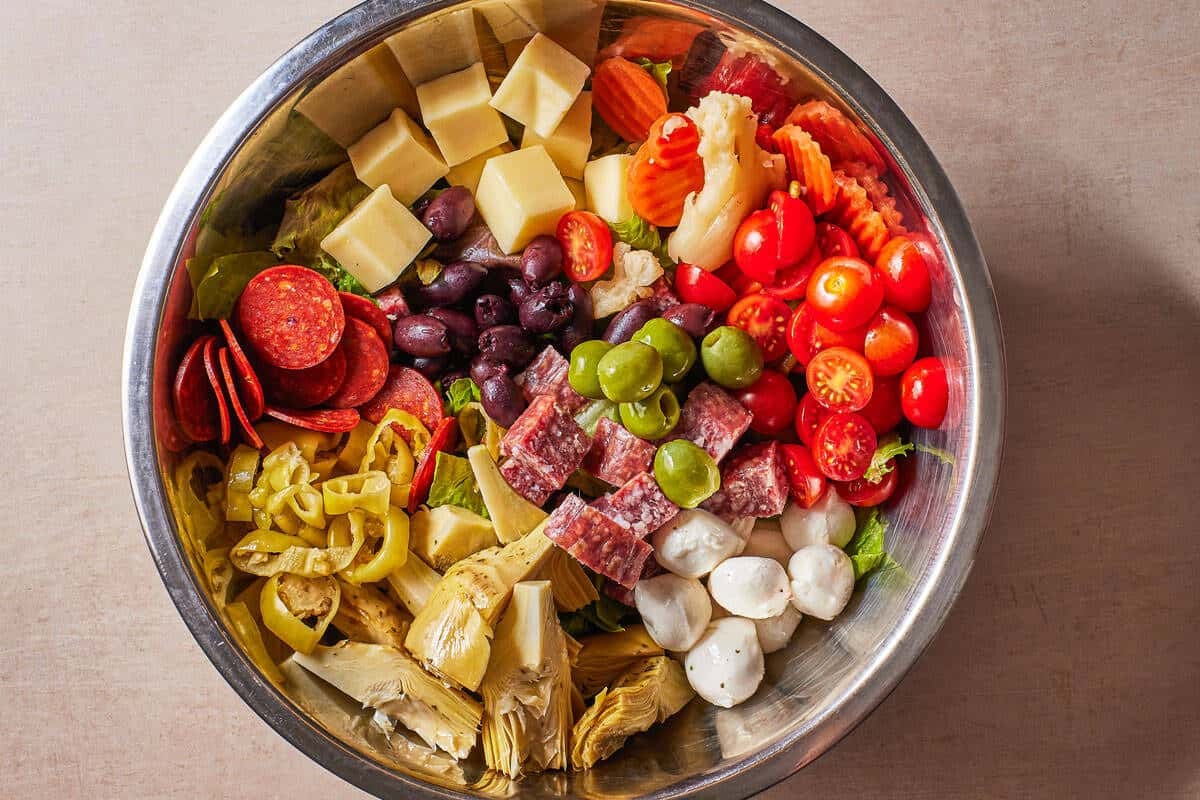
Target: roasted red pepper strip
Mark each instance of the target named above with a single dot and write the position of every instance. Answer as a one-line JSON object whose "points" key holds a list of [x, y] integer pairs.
{"points": [[443, 439]]}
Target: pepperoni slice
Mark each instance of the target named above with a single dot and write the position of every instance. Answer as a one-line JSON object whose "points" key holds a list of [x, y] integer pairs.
{"points": [[324, 420], [291, 317], [305, 388], [249, 388], [214, 381], [195, 405], [360, 307], [407, 390], [366, 365], [235, 402]]}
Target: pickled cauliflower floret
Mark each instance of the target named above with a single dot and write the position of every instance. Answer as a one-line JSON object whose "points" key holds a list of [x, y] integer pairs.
{"points": [[738, 175], [633, 272]]}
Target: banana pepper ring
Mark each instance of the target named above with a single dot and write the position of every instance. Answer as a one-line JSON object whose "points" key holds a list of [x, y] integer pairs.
{"points": [[218, 572], [292, 630], [366, 491], [478, 428], [200, 517], [268, 553], [246, 631], [239, 481], [391, 555], [387, 450]]}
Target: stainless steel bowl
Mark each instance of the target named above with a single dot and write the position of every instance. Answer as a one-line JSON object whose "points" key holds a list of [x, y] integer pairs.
{"points": [[832, 676]]}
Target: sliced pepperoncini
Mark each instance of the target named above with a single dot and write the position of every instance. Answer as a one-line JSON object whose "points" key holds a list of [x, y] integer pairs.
{"points": [[290, 629], [390, 555], [366, 491], [239, 482]]}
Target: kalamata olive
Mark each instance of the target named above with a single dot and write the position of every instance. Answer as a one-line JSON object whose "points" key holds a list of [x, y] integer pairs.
{"points": [[452, 374], [483, 368], [492, 309], [507, 344], [541, 261], [695, 318], [626, 323], [502, 399], [583, 321], [421, 335], [463, 332], [431, 368], [518, 289], [454, 283], [546, 310], [449, 214]]}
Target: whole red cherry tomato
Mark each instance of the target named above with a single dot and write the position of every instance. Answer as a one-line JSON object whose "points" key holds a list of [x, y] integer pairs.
{"points": [[806, 481], [883, 411], [864, 494], [765, 318], [833, 241], [792, 282], [809, 416], [924, 393], [771, 400], [807, 337], [904, 274], [891, 341], [840, 379], [697, 285], [844, 293], [776, 237], [843, 446]]}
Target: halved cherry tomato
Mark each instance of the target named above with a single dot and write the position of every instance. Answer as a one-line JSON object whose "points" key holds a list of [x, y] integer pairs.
{"points": [[840, 379], [807, 337], [864, 494], [765, 318], [924, 393], [844, 293], [843, 446], [587, 245], [809, 416], [771, 400], [442, 439], [697, 285], [833, 241], [891, 341], [807, 482], [904, 274], [792, 282], [776, 237], [883, 412]]}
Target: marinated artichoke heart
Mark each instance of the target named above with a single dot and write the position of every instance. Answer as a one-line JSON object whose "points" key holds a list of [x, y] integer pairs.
{"points": [[512, 515], [527, 687], [388, 680], [413, 583], [445, 535], [451, 635], [650, 691], [605, 656], [366, 614], [570, 584]]}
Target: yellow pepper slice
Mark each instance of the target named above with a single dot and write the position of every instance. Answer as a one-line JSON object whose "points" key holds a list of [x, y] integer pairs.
{"points": [[478, 428], [368, 491], [198, 515], [391, 555], [218, 572], [246, 631], [239, 481], [355, 447], [276, 434], [293, 631], [387, 451], [268, 553]]}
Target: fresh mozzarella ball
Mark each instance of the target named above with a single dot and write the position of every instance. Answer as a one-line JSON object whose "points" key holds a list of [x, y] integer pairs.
{"points": [[694, 542], [822, 580], [774, 633], [750, 586], [829, 521], [743, 527], [767, 541], [726, 666], [674, 610]]}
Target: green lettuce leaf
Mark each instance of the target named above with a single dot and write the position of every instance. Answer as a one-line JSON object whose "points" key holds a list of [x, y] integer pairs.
{"points": [[889, 448], [461, 392], [658, 71], [866, 548], [223, 281], [454, 485], [937, 452], [642, 235], [312, 214], [341, 279]]}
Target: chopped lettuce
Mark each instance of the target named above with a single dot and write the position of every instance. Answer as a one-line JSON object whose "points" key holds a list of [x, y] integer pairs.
{"points": [[312, 214], [866, 547], [461, 392], [641, 235], [890, 448], [454, 485], [941, 455], [222, 282], [658, 71], [336, 274]]}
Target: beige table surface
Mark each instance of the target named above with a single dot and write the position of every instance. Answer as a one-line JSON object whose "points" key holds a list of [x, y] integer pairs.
{"points": [[1070, 666]]}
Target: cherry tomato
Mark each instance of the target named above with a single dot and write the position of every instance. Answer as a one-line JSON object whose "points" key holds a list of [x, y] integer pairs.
{"points": [[442, 439], [807, 482], [840, 379], [864, 494], [697, 285], [904, 274], [833, 241], [883, 412], [765, 318], [843, 446], [775, 238], [792, 282], [809, 416], [844, 293], [587, 245], [771, 400], [924, 393], [737, 280], [807, 337], [891, 341]]}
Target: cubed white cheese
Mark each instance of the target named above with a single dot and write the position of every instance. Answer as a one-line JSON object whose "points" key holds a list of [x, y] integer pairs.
{"points": [[456, 111], [575, 24], [541, 86], [606, 180], [577, 190], [437, 46], [399, 154], [467, 173], [521, 195], [378, 240], [571, 141], [358, 96], [512, 20]]}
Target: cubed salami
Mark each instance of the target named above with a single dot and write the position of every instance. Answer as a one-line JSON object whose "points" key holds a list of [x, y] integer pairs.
{"points": [[560, 527], [546, 438], [711, 418], [609, 549], [753, 484], [624, 594], [639, 505], [547, 375], [616, 454], [527, 481]]}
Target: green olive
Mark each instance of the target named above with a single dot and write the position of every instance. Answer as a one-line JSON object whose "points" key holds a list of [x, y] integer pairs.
{"points": [[677, 349], [630, 372], [585, 360], [652, 418], [731, 358], [687, 474]]}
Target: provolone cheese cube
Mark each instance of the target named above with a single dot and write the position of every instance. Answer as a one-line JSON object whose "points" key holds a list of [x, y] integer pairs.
{"points": [[576, 25], [571, 141], [467, 173], [456, 111], [521, 195], [400, 155], [512, 20], [579, 192], [437, 46], [606, 180], [541, 86], [378, 240], [359, 96]]}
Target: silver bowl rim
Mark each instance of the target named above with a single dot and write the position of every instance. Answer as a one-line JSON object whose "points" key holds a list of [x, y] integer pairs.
{"points": [[318, 54]]}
